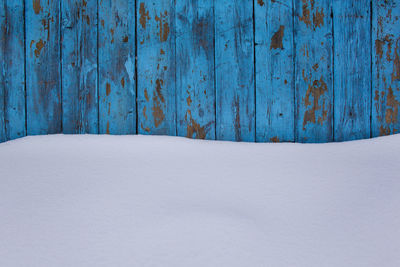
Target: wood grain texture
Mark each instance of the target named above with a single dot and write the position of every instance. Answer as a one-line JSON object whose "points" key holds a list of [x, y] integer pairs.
{"points": [[117, 87], [352, 64], [14, 74], [43, 80], [250, 70], [234, 70], [386, 67], [195, 69], [314, 71], [156, 67], [274, 71], [79, 66], [3, 37]]}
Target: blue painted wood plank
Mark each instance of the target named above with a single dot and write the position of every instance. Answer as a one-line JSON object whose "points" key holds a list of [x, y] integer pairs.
{"points": [[43, 81], [314, 71], [274, 71], [117, 87], [195, 69], [79, 66], [234, 74], [14, 74], [386, 67], [2, 70], [352, 65], [156, 67]]}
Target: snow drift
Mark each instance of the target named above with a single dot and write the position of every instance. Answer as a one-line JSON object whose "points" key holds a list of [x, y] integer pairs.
{"points": [[165, 201]]}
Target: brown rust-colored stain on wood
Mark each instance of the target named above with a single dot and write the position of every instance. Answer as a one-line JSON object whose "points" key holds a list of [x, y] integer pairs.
{"points": [[159, 84], [144, 15], [392, 112], [46, 25], [163, 26], [315, 67], [277, 38], [384, 131], [379, 47], [123, 82], [108, 89], [237, 126], [158, 100], [158, 113], [108, 128], [147, 129], [36, 6], [39, 47], [306, 14], [125, 39], [146, 95], [396, 63], [274, 139], [261, 2], [315, 90], [318, 18], [162, 52], [193, 128], [144, 112], [189, 101], [112, 31]]}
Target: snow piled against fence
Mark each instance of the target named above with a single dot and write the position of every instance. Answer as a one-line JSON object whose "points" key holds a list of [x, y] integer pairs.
{"points": [[165, 201]]}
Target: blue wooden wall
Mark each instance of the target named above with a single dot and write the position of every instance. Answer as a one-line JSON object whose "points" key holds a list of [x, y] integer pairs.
{"points": [[240, 70]]}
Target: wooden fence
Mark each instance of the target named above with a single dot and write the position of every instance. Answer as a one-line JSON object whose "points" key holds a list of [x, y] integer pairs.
{"points": [[262, 70]]}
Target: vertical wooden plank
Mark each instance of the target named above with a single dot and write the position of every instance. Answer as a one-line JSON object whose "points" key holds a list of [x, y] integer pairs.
{"points": [[274, 71], [14, 73], [195, 69], [79, 66], [386, 67], [156, 67], [43, 66], [2, 84], [352, 64], [234, 59], [117, 87], [313, 65]]}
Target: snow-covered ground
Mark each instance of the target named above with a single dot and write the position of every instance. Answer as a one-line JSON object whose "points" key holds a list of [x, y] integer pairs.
{"points": [[164, 201]]}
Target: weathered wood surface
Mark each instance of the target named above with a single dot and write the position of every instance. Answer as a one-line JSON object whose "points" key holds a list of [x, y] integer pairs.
{"points": [[195, 69], [156, 67], [234, 70], [43, 78], [386, 67], [314, 71], [251, 70], [274, 71], [14, 74], [2, 69], [117, 87], [79, 66], [352, 64]]}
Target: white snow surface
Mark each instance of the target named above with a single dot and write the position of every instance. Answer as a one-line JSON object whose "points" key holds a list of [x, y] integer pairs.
{"points": [[167, 201]]}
